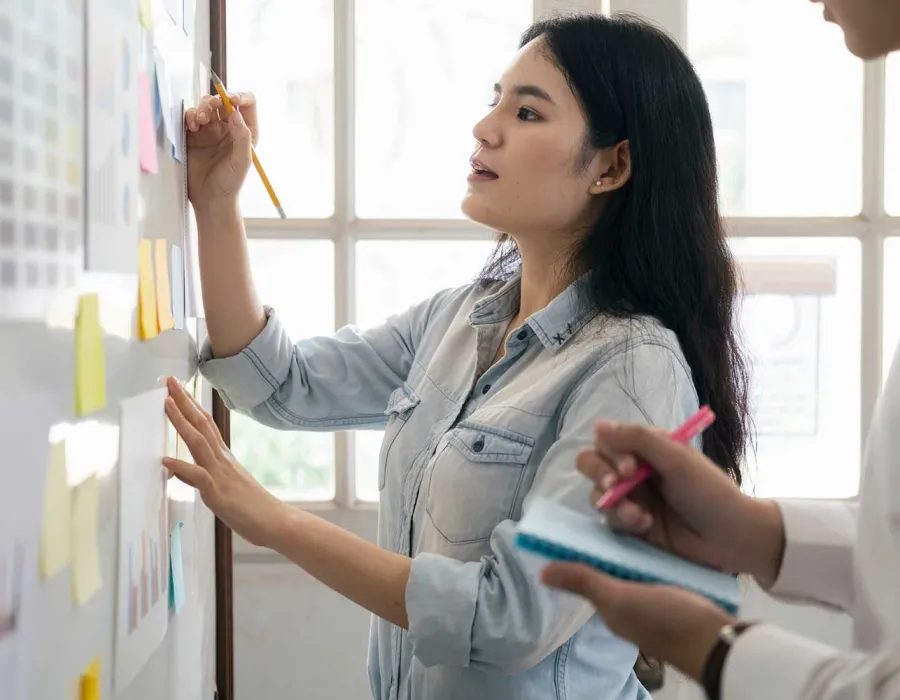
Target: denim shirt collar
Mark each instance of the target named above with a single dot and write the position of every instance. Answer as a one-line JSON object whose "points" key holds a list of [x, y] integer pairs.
{"points": [[554, 325]]}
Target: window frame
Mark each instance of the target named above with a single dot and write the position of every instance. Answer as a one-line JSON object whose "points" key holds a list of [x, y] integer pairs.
{"points": [[871, 227]]}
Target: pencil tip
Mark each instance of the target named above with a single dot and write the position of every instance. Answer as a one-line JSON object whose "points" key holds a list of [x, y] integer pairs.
{"points": [[281, 213]]}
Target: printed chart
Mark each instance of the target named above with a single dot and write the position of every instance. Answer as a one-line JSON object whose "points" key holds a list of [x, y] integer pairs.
{"points": [[41, 154], [143, 571]]}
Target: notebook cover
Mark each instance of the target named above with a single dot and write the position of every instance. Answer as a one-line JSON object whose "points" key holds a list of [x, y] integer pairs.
{"points": [[558, 532]]}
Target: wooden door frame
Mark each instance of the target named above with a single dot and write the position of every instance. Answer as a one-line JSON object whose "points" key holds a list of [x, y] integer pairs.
{"points": [[223, 550]]}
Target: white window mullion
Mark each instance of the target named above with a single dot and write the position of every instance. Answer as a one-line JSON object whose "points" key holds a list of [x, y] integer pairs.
{"points": [[344, 213], [872, 296]]}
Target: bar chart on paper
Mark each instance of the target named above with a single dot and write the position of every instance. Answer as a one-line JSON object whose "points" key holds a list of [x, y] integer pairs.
{"points": [[143, 579], [148, 571]]}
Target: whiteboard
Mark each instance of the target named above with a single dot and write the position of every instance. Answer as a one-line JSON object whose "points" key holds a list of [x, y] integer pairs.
{"points": [[37, 313]]}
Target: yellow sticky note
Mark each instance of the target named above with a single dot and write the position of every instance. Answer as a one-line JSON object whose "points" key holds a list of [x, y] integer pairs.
{"points": [[163, 291], [146, 13], [90, 370], [85, 550], [90, 682], [56, 539], [147, 320]]}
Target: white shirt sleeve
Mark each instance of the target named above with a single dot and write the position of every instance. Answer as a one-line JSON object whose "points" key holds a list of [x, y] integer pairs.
{"points": [[821, 553], [818, 557], [768, 662]]}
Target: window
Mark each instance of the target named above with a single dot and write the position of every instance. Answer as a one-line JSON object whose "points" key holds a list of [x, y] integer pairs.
{"points": [[282, 51], [419, 75], [800, 324], [348, 125], [777, 160], [297, 279]]}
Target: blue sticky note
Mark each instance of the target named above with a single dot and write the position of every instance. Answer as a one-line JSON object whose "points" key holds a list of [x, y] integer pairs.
{"points": [[177, 287], [176, 570], [156, 101]]}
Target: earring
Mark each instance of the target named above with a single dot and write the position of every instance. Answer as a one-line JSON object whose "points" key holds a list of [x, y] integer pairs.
{"points": [[599, 183]]}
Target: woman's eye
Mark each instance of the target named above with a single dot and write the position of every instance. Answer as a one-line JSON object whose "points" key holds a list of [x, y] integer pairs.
{"points": [[527, 115]]}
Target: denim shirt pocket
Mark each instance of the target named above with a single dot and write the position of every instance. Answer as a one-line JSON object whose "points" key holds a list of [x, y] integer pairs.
{"points": [[475, 481], [400, 407]]}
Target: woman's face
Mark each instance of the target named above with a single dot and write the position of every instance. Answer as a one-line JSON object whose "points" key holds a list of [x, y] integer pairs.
{"points": [[528, 174], [871, 27]]}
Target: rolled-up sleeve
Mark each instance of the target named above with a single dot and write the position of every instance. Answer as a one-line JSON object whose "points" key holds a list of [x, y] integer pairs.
{"points": [[496, 612], [320, 383]]}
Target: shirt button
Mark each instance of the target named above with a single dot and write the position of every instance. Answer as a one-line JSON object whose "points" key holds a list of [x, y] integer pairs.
{"points": [[486, 388], [522, 334], [478, 446]]}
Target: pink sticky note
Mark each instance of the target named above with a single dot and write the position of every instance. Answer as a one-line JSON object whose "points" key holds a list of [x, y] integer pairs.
{"points": [[149, 162]]}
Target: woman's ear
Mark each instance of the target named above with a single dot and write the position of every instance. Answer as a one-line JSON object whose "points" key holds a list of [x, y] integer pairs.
{"points": [[614, 168]]}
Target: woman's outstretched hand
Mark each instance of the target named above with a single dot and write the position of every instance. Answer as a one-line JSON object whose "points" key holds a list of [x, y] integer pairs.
{"points": [[225, 486]]}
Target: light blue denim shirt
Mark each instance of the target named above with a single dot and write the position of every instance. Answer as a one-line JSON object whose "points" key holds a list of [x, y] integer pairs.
{"points": [[466, 446]]}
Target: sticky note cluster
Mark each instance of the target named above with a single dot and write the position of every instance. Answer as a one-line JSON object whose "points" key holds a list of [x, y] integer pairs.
{"points": [[160, 300]]}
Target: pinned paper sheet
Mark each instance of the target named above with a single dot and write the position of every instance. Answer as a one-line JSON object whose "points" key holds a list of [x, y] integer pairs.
{"points": [[163, 294], [90, 372], [180, 133], [149, 162], [176, 570], [85, 551], [177, 287], [146, 13], [164, 91], [148, 322], [89, 688], [56, 535]]}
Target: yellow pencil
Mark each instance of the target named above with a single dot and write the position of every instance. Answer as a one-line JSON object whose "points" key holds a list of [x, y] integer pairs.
{"points": [[229, 108]]}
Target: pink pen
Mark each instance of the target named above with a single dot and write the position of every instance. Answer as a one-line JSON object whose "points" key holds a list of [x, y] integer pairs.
{"points": [[692, 427]]}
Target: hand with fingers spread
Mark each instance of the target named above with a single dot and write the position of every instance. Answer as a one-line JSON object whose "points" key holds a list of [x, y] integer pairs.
{"points": [[689, 506], [225, 486], [219, 148]]}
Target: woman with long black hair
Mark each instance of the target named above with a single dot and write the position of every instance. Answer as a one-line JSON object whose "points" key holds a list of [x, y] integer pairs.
{"points": [[611, 295]]}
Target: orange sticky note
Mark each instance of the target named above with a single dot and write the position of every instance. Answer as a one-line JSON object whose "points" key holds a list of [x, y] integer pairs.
{"points": [[149, 162], [89, 688], [147, 321], [163, 291], [90, 370]]}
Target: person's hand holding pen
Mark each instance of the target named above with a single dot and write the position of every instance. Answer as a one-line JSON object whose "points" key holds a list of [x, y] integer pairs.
{"points": [[219, 148], [688, 506]]}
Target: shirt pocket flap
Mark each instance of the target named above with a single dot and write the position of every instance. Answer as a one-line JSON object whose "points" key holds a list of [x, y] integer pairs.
{"points": [[402, 401], [487, 443]]}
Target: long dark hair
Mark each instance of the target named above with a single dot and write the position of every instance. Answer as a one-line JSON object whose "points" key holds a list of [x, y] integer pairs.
{"points": [[659, 248]]}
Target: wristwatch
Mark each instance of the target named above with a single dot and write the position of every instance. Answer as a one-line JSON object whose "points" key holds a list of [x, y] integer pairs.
{"points": [[715, 663]]}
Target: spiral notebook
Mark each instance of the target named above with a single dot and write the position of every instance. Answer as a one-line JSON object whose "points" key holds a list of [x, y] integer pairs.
{"points": [[558, 532]]}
